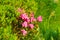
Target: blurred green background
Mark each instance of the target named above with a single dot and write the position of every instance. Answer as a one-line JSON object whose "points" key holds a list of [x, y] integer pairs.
{"points": [[49, 29]]}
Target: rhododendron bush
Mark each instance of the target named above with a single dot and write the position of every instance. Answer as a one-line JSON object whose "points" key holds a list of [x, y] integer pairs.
{"points": [[29, 19], [26, 24]]}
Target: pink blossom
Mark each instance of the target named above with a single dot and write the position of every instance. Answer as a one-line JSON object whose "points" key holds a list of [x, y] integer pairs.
{"points": [[39, 18], [24, 16], [32, 19], [31, 26], [24, 32], [27, 20], [24, 24]]}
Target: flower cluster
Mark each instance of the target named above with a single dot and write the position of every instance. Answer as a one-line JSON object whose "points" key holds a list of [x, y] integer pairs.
{"points": [[28, 21]]}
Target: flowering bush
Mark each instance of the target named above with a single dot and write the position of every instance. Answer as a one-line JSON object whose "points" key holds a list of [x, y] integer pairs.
{"points": [[29, 19], [26, 23]]}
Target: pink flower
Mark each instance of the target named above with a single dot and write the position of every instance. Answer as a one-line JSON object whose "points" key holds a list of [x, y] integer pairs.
{"points": [[24, 24], [24, 16], [24, 32], [27, 20], [39, 18], [32, 19], [31, 26]]}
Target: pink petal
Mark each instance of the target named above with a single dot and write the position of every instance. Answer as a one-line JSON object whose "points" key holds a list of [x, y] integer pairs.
{"points": [[32, 19], [24, 16], [24, 32], [39, 19], [31, 26], [24, 24]]}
